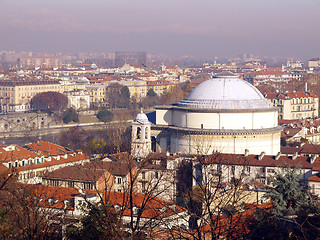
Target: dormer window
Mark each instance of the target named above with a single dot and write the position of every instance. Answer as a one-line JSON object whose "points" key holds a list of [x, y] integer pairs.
{"points": [[117, 208], [135, 210]]}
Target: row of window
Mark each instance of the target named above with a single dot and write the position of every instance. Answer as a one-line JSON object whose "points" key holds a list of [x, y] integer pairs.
{"points": [[70, 184], [300, 100], [31, 174], [25, 162]]}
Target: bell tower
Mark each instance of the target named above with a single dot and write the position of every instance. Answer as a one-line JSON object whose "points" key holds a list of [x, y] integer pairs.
{"points": [[140, 136]]}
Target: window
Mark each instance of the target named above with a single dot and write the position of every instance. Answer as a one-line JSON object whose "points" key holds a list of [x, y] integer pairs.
{"points": [[138, 133], [156, 175], [143, 185], [143, 175], [233, 168], [87, 185], [146, 132], [119, 180]]}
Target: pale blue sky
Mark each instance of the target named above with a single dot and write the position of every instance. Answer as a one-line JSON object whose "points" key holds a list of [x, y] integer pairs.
{"points": [[173, 27]]}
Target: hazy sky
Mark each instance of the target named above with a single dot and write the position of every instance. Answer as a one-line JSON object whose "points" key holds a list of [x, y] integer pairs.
{"points": [[172, 27]]}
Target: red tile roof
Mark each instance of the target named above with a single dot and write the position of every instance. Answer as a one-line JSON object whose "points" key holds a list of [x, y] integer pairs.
{"points": [[290, 95], [10, 153], [268, 72], [151, 207], [267, 160], [48, 148], [92, 171], [158, 83]]}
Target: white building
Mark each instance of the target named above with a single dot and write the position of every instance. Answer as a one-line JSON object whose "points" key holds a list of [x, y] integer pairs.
{"points": [[224, 114], [78, 99]]}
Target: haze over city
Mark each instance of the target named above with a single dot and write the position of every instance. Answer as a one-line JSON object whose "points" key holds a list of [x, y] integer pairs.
{"points": [[175, 28]]}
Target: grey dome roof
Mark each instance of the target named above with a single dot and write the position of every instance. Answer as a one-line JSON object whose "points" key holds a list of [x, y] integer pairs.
{"points": [[225, 91], [141, 117]]}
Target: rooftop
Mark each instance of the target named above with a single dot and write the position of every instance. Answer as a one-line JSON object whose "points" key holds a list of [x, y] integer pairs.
{"points": [[225, 91]]}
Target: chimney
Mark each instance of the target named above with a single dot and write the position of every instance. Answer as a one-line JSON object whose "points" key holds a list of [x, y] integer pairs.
{"points": [[246, 152], [277, 156], [313, 159], [306, 87], [295, 155], [261, 156]]}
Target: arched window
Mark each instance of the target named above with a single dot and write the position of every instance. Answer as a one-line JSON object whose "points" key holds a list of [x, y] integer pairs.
{"points": [[146, 132], [138, 132]]}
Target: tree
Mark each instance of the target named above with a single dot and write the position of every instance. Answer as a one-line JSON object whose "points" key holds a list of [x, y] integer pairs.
{"points": [[294, 213], [100, 222], [70, 115], [105, 115], [118, 137], [151, 93], [118, 96], [174, 95], [74, 138], [51, 102], [214, 203], [288, 193], [23, 216], [95, 146]]}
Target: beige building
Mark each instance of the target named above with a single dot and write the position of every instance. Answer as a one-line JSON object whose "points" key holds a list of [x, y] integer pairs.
{"points": [[159, 86], [138, 91], [97, 92], [15, 95], [314, 63], [295, 105]]}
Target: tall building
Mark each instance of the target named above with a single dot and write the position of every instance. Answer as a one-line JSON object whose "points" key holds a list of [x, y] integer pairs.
{"points": [[139, 58], [295, 105], [140, 136], [223, 114]]}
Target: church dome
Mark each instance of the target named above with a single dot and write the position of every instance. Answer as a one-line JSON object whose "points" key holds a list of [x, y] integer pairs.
{"points": [[225, 91], [141, 117]]}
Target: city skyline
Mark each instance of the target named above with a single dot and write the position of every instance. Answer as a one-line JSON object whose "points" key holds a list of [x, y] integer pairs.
{"points": [[175, 28]]}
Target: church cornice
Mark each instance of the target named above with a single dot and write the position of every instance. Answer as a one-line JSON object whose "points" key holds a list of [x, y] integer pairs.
{"points": [[208, 110], [220, 132]]}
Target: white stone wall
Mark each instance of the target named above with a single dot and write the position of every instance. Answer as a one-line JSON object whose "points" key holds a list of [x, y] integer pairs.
{"points": [[207, 144], [231, 120]]}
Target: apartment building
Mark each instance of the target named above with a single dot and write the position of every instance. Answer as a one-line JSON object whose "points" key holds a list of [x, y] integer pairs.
{"points": [[44, 61], [159, 86], [295, 105], [220, 169], [31, 162], [15, 94], [268, 76], [97, 93]]}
